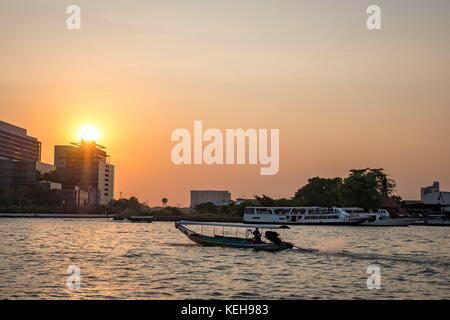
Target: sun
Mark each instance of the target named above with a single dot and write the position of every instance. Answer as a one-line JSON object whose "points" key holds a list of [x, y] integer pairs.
{"points": [[88, 133]]}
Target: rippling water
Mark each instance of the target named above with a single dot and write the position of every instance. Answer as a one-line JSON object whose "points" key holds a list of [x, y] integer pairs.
{"points": [[155, 261]]}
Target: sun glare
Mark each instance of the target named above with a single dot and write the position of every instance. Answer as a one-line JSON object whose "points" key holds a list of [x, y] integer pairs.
{"points": [[88, 133]]}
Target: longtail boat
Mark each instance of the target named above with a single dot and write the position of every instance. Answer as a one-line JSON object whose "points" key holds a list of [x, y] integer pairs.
{"points": [[274, 242]]}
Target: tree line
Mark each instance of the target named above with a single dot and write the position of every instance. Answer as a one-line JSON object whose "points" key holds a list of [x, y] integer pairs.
{"points": [[364, 188]]}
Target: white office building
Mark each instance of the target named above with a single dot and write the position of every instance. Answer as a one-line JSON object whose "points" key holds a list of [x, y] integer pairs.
{"points": [[217, 197], [433, 195]]}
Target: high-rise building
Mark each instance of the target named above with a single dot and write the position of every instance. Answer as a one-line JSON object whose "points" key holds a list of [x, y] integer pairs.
{"points": [[218, 198], [18, 155], [86, 165]]}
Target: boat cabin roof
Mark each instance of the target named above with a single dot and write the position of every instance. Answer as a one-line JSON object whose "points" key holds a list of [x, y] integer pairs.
{"points": [[235, 225]]}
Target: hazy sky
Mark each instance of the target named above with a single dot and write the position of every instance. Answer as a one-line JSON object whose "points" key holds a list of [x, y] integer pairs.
{"points": [[342, 96]]}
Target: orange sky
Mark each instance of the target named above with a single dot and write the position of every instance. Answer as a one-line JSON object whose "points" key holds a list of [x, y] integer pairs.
{"points": [[343, 97]]}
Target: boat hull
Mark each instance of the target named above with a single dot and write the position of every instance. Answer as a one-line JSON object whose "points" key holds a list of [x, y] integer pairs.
{"points": [[140, 219], [442, 223], [389, 223], [323, 223]]}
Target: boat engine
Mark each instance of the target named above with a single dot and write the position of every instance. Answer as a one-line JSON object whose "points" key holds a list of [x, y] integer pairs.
{"points": [[273, 237]]}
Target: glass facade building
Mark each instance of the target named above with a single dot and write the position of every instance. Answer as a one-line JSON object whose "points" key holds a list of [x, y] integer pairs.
{"points": [[18, 155], [17, 145], [86, 165]]}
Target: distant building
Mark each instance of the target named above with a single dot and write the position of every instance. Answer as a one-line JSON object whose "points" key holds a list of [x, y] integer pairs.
{"points": [[16, 144], [17, 172], [393, 207], [87, 166], [433, 195], [45, 167], [18, 155], [49, 186], [75, 197], [218, 198]]}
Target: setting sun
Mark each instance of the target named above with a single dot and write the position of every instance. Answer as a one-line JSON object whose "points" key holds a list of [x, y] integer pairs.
{"points": [[88, 133]]}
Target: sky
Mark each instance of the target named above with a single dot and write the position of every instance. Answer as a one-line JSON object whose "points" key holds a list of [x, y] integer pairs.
{"points": [[341, 95]]}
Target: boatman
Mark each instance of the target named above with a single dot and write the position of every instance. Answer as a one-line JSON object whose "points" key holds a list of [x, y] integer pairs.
{"points": [[257, 236]]}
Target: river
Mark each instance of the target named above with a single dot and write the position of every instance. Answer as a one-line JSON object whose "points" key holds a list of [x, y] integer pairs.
{"points": [[120, 260]]}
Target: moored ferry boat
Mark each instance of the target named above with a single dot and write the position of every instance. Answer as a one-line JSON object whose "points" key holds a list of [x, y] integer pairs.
{"points": [[382, 218], [438, 220], [305, 215]]}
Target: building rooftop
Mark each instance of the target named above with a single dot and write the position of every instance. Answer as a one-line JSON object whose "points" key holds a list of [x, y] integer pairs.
{"points": [[12, 129]]}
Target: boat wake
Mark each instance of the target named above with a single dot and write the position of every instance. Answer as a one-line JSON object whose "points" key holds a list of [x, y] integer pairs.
{"points": [[181, 244], [396, 258], [374, 257], [333, 246], [308, 250]]}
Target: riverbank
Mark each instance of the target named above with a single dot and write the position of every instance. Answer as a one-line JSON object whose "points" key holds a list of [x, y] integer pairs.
{"points": [[203, 218], [53, 215]]}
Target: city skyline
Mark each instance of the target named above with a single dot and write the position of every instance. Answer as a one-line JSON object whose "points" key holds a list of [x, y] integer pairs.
{"points": [[342, 96], [88, 133]]}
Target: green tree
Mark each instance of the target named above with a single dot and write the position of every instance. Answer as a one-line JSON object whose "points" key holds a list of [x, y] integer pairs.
{"points": [[365, 188], [265, 201], [397, 199], [131, 204], [318, 191], [385, 185], [207, 207]]}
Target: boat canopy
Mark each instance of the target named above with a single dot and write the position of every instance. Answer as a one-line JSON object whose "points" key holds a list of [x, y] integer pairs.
{"points": [[235, 225]]}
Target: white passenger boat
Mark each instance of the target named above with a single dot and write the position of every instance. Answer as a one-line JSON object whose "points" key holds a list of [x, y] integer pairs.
{"points": [[382, 218], [305, 215]]}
